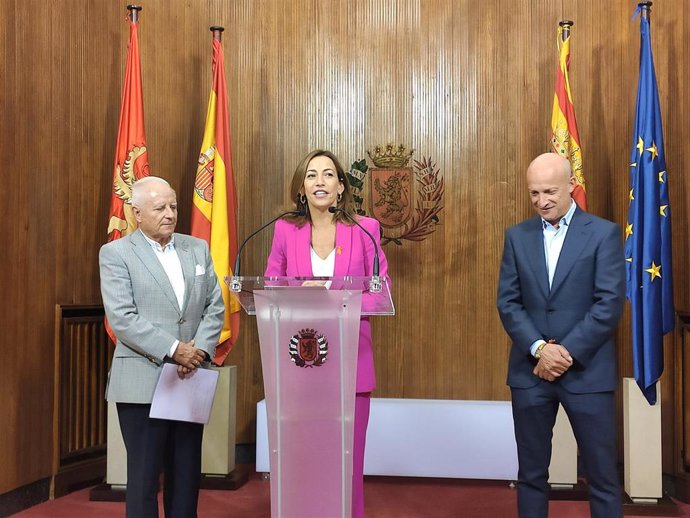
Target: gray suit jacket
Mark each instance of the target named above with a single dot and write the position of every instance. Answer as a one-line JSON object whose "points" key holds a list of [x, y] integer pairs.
{"points": [[144, 314]]}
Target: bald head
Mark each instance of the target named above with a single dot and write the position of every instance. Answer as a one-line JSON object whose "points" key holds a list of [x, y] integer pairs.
{"points": [[145, 186], [550, 183], [551, 162], [154, 205]]}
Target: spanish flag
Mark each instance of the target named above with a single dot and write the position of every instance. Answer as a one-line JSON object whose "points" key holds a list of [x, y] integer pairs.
{"points": [[131, 157], [565, 139], [214, 208]]}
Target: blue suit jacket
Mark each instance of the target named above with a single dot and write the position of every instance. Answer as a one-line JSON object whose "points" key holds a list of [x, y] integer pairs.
{"points": [[580, 311]]}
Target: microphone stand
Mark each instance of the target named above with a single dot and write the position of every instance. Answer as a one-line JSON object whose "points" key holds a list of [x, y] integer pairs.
{"points": [[235, 282], [375, 284]]}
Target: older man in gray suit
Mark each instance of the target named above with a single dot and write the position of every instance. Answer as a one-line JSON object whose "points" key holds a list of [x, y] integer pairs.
{"points": [[164, 304]]}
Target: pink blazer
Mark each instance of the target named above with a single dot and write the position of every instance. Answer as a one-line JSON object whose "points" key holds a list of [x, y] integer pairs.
{"points": [[290, 256]]}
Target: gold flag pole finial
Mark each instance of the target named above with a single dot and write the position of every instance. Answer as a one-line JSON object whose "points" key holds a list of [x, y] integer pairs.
{"points": [[134, 12], [217, 31], [645, 9]]}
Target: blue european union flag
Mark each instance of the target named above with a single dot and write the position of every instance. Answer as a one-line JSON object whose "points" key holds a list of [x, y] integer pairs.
{"points": [[648, 231]]}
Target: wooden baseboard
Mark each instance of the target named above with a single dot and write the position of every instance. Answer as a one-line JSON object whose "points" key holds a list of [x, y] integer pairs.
{"points": [[79, 475], [24, 497]]}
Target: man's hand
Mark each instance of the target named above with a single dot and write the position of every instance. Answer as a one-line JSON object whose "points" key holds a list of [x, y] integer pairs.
{"points": [[553, 362], [182, 371], [188, 356]]}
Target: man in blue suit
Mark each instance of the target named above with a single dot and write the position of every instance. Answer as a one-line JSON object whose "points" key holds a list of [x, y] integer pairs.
{"points": [[560, 295]]}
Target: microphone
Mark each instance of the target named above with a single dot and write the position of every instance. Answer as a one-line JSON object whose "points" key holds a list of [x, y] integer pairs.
{"points": [[235, 284], [375, 283]]}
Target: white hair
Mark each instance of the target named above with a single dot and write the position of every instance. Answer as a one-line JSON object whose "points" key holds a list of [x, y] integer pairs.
{"points": [[139, 188]]}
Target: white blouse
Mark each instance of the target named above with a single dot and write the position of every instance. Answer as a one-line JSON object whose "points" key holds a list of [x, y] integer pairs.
{"points": [[322, 267]]}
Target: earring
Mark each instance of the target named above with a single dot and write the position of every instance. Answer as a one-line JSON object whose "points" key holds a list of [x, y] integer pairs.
{"points": [[340, 197], [302, 199]]}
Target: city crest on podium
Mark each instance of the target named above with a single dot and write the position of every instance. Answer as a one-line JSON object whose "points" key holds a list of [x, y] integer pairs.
{"points": [[308, 348]]}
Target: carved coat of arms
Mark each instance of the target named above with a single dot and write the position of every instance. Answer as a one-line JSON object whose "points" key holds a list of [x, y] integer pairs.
{"points": [[406, 199]]}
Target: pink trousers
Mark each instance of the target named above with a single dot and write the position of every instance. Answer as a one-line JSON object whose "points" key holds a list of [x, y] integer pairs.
{"points": [[362, 405]]}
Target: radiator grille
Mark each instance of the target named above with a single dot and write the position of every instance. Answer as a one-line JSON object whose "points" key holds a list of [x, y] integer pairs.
{"points": [[83, 355]]}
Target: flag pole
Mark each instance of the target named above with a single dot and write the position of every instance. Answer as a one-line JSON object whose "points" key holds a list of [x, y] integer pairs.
{"points": [[648, 239], [134, 12], [130, 164], [218, 448]]}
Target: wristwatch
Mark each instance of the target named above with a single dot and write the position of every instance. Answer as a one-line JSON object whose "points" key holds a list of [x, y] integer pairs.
{"points": [[540, 348]]}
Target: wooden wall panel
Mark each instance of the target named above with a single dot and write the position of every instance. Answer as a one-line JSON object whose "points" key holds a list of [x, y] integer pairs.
{"points": [[469, 84]]}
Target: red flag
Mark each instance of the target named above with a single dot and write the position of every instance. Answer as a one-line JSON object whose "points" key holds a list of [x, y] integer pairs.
{"points": [[214, 208], [565, 139], [131, 158]]}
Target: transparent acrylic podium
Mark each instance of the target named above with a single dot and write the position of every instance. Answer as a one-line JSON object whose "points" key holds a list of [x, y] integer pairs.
{"points": [[309, 335]]}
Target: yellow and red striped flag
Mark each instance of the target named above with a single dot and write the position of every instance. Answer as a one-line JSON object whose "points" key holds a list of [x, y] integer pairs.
{"points": [[131, 157], [214, 208], [565, 139]]}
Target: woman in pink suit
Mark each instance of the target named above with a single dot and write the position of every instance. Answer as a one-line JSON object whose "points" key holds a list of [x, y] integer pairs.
{"points": [[329, 244]]}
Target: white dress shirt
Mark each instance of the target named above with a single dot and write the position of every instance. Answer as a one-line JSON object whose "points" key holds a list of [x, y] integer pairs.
{"points": [[553, 244], [167, 255]]}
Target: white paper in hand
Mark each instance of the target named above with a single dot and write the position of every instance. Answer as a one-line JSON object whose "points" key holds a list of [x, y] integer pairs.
{"points": [[189, 399]]}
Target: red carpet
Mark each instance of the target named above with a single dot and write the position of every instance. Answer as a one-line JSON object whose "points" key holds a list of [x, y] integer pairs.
{"points": [[386, 497]]}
